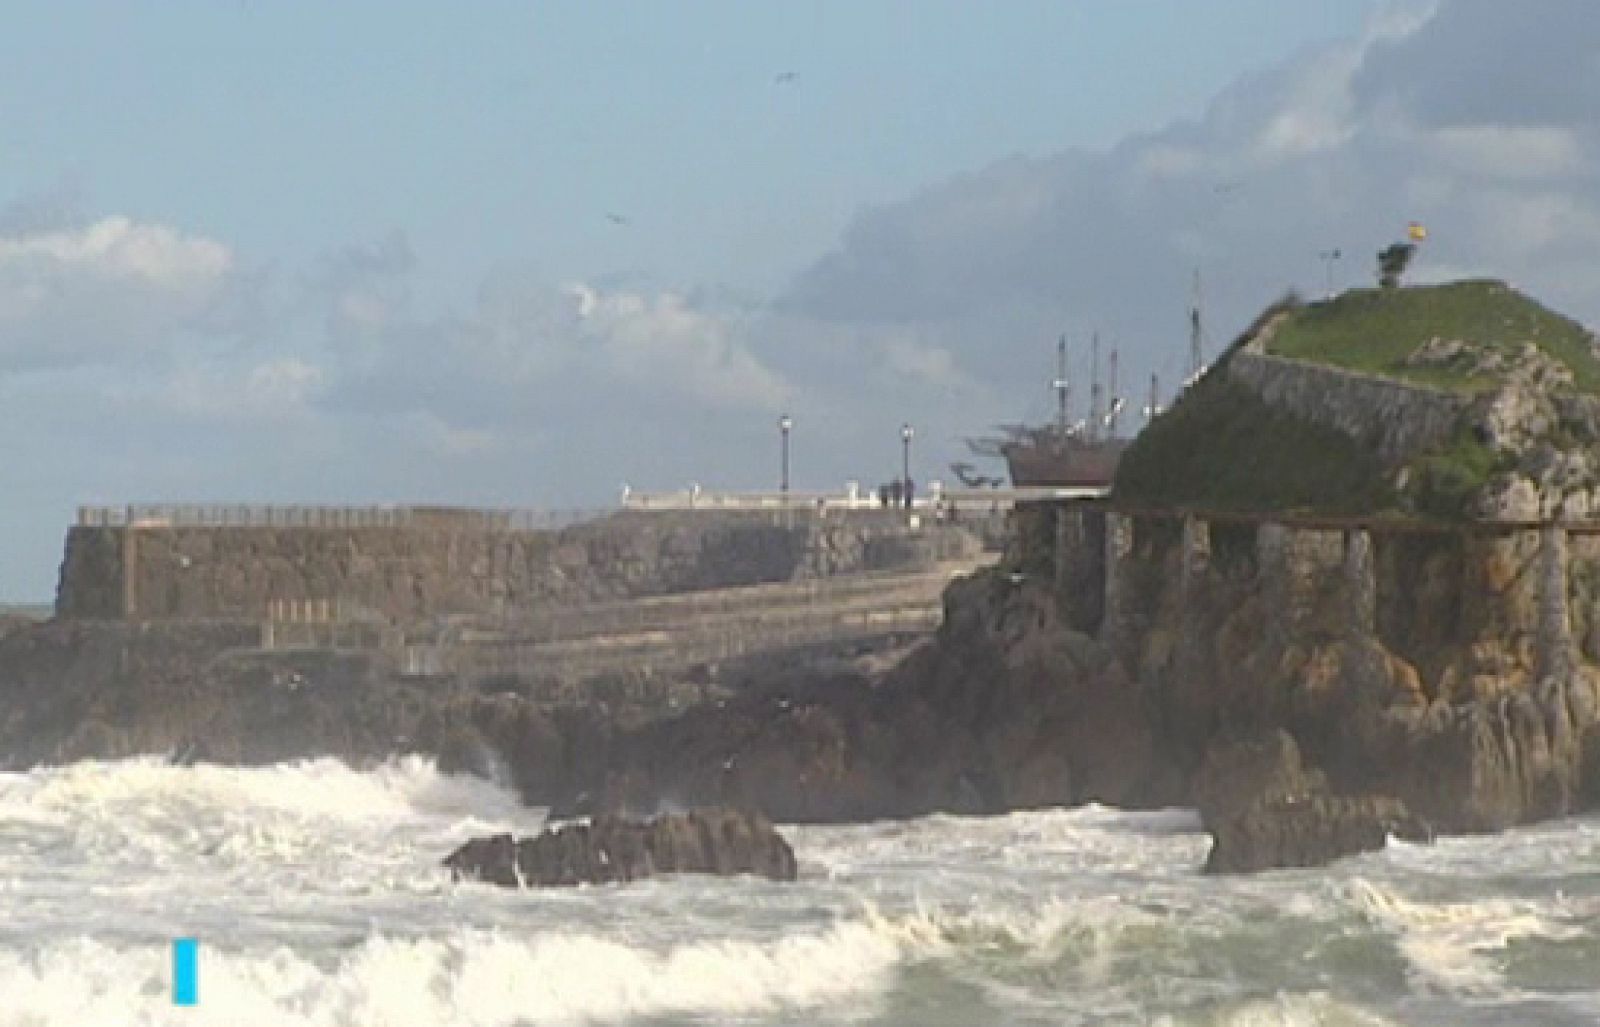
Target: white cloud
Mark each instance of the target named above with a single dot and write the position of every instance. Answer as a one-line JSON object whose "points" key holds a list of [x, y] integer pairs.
{"points": [[276, 391], [1480, 118], [288, 381], [662, 341], [117, 246], [106, 291], [1512, 151]]}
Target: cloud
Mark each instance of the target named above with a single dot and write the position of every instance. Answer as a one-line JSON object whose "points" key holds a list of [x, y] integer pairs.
{"points": [[1530, 152], [1478, 117], [633, 349], [106, 291], [661, 340]]}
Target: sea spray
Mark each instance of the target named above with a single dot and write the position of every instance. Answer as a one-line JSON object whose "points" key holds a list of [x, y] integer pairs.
{"points": [[316, 892]]}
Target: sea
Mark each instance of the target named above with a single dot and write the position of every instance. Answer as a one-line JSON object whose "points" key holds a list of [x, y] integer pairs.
{"points": [[316, 896]]}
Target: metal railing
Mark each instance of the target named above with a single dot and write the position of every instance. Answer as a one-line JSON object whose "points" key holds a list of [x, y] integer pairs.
{"points": [[854, 497], [446, 518], [664, 648]]}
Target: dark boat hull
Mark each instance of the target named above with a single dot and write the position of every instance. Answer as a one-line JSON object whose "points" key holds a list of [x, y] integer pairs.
{"points": [[1075, 464]]}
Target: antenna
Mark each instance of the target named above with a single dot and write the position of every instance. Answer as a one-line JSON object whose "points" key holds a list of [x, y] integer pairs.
{"points": [[1062, 386], [1196, 334], [1094, 386], [1152, 408], [1116, 403]]}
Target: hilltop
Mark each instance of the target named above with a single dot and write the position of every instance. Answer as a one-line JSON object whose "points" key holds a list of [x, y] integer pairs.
{"points": [[1471, 335], [1462, 400]]}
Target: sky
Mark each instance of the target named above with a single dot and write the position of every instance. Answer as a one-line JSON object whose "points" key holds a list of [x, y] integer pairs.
{"points": [[522, 254]]}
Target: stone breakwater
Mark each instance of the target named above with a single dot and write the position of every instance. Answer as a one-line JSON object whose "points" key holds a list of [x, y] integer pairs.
{"points": [[203, 641], [408, 574]]}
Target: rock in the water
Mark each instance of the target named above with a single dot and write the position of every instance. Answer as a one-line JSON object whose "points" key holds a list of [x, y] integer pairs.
{"points": [[492, 859], [1244, 770], [707, 841], [1289, 832]]}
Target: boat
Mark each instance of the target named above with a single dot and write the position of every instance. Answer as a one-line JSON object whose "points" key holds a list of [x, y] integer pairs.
{"points": [[1080, 454]]}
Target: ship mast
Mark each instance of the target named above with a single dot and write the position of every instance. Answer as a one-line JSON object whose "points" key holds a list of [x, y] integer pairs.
{"points": [[1116, 403], [1196, 334], [1094, 387], [1152, 408], [1063, 388]]}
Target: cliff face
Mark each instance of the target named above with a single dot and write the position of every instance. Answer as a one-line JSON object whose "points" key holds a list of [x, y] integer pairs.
{"points": [[1422, 681], [1437, 668]]}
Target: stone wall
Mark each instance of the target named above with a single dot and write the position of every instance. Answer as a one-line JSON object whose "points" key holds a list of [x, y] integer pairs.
{"points": [[411, 574], [1395, 419]]}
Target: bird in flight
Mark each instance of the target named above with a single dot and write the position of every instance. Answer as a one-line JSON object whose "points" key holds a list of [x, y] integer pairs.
{"points": [[785, 77], [616, 219]]}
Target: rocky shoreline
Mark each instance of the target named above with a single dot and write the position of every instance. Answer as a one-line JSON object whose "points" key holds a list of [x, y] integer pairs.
{"points": [[1312, 679], [1009, 707]]}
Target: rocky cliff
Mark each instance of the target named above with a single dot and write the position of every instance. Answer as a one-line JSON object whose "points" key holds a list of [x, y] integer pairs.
{"points": [[1431, 665]]}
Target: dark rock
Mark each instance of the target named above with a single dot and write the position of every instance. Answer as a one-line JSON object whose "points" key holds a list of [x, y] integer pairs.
{"points": [[1288, 832], [492, 859], [717, 841], [1591, 767], [1244, 770]]}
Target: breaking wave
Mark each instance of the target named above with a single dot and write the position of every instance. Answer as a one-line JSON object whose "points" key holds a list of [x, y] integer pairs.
{"points": [[318, 897]]}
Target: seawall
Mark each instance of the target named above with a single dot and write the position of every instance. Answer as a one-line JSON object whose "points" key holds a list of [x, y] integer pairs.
{"points": [[405, 574], [1394, 419]]}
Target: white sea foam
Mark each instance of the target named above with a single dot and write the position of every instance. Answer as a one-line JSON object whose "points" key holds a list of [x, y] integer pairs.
{"points": [[1316, 1009], [318, 897], [472, 977], [1449, 944]]}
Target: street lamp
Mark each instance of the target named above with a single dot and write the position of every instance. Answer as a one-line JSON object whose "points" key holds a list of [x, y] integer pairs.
{"points": [[1328, 257], [785, 423], [906, 432]]}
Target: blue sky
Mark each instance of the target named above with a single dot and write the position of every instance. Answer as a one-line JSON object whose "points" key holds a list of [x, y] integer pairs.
{"points": [[360, 252], [494, 132]]}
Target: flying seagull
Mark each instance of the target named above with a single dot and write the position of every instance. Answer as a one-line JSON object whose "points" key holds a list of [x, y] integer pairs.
{"points": [[785, 77], [616, 219]]}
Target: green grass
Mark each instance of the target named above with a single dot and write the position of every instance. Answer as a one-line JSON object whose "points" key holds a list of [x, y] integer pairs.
{"points": [[1446, 482], [1375, 330], [1223, 448]]}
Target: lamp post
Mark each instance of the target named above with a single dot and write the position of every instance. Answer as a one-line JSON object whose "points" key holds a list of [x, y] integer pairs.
{"points": [[785, 423], [906, 431], [1328, 257]]}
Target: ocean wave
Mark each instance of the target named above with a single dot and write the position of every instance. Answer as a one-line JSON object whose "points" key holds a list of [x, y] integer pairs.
{"points": [[485, 979], [1449, 945], [318, 787], [146, 811], [1315, 1009]]}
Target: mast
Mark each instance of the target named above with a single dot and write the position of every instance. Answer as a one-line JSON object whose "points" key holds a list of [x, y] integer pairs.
{"points": [[1196, 334], [1063, 388], [1116, 403], [1152, 408], [1095, 411]]}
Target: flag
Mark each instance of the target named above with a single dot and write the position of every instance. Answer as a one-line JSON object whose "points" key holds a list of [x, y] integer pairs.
{"points": [[1417, 231]]}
